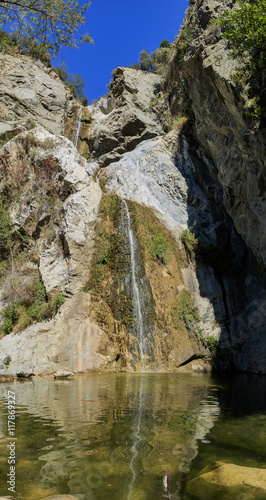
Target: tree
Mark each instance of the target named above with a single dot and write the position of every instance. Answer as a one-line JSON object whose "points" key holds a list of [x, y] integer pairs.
{"points": [[53, 23], [147, 61], [74, 82], [245, 30], [164, 44]]}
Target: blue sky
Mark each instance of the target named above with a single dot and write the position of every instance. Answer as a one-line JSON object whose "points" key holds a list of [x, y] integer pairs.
{"points": [[121, 29]]}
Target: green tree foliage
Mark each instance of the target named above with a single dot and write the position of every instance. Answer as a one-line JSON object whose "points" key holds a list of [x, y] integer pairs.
{"points": [[11, 43], [53, 24], [245, 30], [75, 82], [164, 44], [156, 61], [147, 61]]}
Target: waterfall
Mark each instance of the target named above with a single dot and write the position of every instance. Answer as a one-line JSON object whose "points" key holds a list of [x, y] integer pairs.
{"points": [[97, 176], [136, 294], [76, 129]]}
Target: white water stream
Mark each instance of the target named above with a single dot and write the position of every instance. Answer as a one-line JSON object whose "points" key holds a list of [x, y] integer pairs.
{"points": [[76, 130], [136, 296]]}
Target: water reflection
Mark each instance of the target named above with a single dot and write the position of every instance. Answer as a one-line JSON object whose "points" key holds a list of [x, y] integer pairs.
{"points": [[136, 433], [111, 436], [239, 434]]}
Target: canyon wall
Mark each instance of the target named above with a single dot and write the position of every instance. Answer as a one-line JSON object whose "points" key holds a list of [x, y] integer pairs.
{"points": [[176, 211]]}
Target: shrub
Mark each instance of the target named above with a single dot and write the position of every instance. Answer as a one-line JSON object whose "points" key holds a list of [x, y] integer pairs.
{"points": [[164, 44], [156, 61], [58, 301], [75, 83], [189, 240], [159, 248], [244, 28], [11, 316], [212, 343], [5, 230], [35, 311], [184, 311]]}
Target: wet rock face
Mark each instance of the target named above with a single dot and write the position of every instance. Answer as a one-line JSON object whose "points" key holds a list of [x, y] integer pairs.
{"points": [[233, 140], [30, 91], [124, 118]]}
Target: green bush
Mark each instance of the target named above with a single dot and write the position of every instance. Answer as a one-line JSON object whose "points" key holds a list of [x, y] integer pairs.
{"points": [[184, 311], [34, 312], [159, 248], [6, 236], [164, 44], [11, 316], [75, 83], [212, 343], [22, 313], [58, 301], [14, 43], [189, 240], [244, 28], [156, 61]]}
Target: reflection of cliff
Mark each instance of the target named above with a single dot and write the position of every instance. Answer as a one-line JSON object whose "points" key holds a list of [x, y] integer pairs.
{"points": [[85, 431]]}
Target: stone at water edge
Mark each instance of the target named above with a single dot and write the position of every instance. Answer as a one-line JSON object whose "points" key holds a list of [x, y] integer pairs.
{"points": [[7, 498], [63, 374], [229, 481]]}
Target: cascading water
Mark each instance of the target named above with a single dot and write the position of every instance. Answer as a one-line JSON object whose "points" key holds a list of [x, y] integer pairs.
{"points": [[136, 295], [76, 129]]}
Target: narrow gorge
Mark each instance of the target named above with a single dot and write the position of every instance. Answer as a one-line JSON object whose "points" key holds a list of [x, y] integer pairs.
{"points": [[133, 230]]}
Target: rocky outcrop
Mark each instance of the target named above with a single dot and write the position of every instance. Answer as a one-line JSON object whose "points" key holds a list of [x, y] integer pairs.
{"points": [[31, 93], [71, 341], [58, 202], [124, 118]]}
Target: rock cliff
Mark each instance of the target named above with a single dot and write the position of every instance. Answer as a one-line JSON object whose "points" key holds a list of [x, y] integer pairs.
{"points": [[148, 250], [31, 93], [232, 146], [232, 139]]}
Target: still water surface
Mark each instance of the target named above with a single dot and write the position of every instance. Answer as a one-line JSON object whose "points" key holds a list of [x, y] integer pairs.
{"points": [[110, 436]]}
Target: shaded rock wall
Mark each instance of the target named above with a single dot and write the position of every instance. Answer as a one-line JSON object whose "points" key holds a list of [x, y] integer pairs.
{"points": [[234, 141], [228, 148]]}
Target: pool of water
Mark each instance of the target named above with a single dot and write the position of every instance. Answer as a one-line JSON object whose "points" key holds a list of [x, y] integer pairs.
{"points": [[111, 436]]}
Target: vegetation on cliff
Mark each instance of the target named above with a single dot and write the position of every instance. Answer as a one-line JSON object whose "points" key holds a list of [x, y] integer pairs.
{"points": [[244, 28], [13, 44], [156, 61]]}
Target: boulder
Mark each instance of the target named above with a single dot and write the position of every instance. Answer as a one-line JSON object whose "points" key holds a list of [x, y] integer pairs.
{"points": [[227, 481]]}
